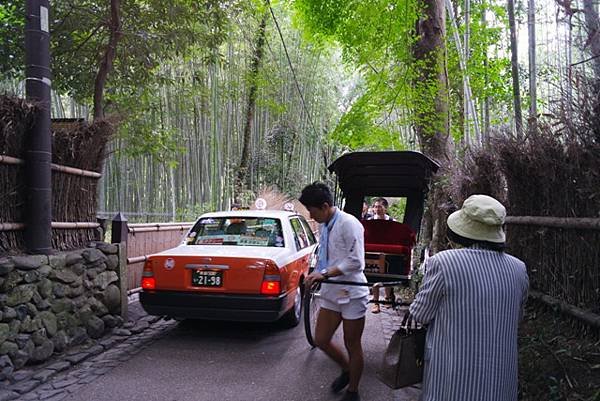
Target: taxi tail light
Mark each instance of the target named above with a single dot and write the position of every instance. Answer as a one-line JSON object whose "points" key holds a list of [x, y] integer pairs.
{"points": [[148, 280], [271, 284], [148, 283]]}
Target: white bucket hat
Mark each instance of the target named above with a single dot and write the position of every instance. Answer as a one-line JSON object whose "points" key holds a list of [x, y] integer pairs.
{"points": [[480, 218]]}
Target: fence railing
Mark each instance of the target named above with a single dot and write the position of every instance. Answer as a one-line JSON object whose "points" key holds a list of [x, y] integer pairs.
{"points": [[71, 201], [143, 239], [563, 260]]}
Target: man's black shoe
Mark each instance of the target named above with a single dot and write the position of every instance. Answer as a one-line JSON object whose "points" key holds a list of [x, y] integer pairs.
{"points": [[351, 396], [340, 382]]}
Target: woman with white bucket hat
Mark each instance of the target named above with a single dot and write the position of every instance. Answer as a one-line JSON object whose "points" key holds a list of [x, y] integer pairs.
{"points": [[472, 299]]}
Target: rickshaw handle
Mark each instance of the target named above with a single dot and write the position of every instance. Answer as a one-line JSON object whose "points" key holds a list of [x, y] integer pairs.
{"points": [[386, 284]]}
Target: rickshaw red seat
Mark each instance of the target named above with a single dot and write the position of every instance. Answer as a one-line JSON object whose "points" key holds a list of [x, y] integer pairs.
{"points": [[387, 248], [388, 236]]}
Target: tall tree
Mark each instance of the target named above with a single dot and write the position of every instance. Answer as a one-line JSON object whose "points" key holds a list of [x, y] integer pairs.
{"points": [[106, 65], [431, 80], [592, 25], [515, 68], [432, 115], [252, 93], [532, 67]]}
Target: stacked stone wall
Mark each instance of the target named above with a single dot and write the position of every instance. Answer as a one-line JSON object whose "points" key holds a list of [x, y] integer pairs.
{"points": [[49, 303]]}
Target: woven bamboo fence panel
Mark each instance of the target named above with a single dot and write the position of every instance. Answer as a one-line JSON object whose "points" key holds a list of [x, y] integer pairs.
{"points": [[75, 143], [563, 263]]}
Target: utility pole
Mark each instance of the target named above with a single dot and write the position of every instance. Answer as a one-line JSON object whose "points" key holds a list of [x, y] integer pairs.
{"points": [[38, 156]]}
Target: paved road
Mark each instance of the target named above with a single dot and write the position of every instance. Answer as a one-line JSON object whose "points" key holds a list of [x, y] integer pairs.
{"points": [[204, 361], [153, 359]]}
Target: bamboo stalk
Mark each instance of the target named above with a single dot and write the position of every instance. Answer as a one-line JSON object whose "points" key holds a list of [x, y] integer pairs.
{"points": [[54, 224], [159, 228], [586, 223], [137, 259], [10, 160], [12, 226], [56, 167], [72, 225], [143, 225], [589, 318]]}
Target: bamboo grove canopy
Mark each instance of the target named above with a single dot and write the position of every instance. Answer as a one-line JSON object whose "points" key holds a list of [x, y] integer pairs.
{"points": [[403, 174]]}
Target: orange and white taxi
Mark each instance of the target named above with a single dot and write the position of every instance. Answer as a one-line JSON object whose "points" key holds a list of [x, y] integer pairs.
{"points": [[239, 265]]}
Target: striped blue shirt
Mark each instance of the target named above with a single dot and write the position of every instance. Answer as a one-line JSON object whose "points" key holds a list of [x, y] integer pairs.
{"points": [[472, 300]]}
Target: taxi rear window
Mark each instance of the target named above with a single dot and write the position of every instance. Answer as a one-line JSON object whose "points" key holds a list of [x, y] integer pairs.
{"points": [[239, 231]]}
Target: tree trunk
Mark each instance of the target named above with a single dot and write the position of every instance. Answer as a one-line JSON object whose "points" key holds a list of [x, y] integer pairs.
{"points": [[110, 53], [532, 67], [515, 68], [469, 112], [432, 112], [252, 92], [466, 55], [592, 25]]}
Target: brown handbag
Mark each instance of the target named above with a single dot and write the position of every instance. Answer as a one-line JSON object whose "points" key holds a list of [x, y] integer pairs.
{"points": [[403, 359]]}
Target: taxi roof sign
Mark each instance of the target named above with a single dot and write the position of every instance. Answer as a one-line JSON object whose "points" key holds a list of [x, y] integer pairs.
{"points": [[260, 204]]}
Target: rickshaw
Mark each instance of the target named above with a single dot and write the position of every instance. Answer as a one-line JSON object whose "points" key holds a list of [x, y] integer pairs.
{"points": [[389, 245]]}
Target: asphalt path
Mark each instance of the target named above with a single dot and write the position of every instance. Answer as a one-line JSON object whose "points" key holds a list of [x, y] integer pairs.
{"points": [[207, 360]]}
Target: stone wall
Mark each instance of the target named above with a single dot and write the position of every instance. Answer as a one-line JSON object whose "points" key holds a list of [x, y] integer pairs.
{"points": [[49, 303]]}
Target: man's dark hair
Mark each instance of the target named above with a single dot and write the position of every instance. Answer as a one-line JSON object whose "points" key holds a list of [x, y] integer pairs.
{"points": [[383, 201], [315, 195], [467, 242]]}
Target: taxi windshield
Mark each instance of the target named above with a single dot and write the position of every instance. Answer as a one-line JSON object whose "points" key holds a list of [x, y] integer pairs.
{"points": [[236, 230]]}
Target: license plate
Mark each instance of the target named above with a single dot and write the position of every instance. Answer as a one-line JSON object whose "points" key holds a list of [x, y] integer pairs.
{"points": [[207, 278]]}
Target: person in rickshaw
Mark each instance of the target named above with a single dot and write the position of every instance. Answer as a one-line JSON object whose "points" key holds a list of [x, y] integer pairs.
{"points": [[341, 257], [366, 212], [380, 206]]}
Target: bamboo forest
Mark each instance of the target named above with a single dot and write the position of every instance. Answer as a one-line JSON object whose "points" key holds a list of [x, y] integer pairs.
{"points": [[161, 111], [268, 94]]}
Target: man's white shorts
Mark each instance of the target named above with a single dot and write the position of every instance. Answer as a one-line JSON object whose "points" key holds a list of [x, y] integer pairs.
{"points": [[356, 308]]}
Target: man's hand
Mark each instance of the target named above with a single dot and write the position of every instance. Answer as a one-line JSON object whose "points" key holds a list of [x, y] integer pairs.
{"points": [[313, 277]]}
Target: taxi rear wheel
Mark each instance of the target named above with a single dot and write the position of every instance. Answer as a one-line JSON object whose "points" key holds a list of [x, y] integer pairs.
{"points": [[292, 317]]}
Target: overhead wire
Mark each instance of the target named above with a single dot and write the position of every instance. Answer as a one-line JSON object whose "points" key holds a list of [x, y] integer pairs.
{"points": [[287, 55]]}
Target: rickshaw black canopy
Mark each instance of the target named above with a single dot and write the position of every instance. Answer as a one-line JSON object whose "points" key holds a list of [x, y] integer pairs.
{"points": [[395, 174]]}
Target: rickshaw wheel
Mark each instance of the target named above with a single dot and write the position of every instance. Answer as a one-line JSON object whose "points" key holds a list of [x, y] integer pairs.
{"points": [[311, 311]]}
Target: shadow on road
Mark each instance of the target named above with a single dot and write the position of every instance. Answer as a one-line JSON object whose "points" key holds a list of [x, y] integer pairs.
{"points": [[248, 331]]}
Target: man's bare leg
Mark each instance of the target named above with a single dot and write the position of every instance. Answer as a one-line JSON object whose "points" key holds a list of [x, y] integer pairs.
{"points": [[353, 330], [327, 323]]}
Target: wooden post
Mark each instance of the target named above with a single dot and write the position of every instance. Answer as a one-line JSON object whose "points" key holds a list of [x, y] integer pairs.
{"points": [[123, 279], [119, 234], [101, 231], [119, 229]]}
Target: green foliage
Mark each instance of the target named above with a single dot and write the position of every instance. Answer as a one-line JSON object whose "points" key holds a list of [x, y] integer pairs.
{"points": [[378, 37], [145, 130], [12, 22], [192, 212], [397, 209], [488, 66], [358, 128], [153, 31]]}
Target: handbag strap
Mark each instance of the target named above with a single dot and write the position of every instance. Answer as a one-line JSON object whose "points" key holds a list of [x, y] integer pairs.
{"points": [[408, 322]]}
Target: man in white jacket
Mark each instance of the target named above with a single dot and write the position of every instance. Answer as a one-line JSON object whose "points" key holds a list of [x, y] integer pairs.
{"points": [[341, 258]]}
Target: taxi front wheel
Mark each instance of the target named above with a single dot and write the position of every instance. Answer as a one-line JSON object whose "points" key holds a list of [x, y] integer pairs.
{"points": [[292, 317]]}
